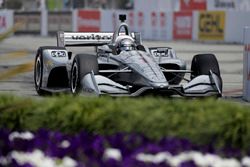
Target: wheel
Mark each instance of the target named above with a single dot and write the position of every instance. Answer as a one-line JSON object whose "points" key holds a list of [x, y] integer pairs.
{"points": [[38, 73], [203, 63], [82, 65]]}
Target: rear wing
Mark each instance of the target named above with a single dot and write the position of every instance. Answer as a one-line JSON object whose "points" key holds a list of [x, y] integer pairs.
{"points": [[88, 38]]}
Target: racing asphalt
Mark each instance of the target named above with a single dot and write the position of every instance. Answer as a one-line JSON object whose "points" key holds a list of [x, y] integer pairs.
{"points": [[20, 50]]}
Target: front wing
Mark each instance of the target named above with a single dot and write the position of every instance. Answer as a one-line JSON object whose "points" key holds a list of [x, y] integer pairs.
{"points": [[203, 85]]}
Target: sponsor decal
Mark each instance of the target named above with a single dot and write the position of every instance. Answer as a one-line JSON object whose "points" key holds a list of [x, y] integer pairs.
{"points": [[183, 23], [92, 37], [89, 21], [58, 54], [193, 5], [211, 25], [224, 4]]}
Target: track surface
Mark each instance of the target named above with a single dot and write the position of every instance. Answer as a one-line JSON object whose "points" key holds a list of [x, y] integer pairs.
{"points": [[19, 50]]}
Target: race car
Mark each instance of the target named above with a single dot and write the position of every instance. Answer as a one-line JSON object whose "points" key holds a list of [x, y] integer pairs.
{"points": [[122, 66]]}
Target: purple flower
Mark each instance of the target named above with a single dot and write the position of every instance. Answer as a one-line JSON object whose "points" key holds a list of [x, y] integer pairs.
{"points": [[88, 149]]}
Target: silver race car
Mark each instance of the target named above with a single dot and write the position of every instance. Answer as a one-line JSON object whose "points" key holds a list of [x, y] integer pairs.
{"points": [[121, 66]]}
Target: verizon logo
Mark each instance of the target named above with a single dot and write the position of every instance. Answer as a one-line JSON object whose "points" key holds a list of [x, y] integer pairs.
{"points": [[91, 37]]}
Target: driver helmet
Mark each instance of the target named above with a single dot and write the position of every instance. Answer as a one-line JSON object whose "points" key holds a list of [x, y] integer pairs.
{"points": [[126, 44]]}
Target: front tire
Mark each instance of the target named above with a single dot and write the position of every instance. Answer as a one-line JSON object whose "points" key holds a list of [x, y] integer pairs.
{"points": [[82, 65], [203, 63]]}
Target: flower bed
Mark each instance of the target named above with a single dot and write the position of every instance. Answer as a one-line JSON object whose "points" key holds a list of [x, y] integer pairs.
{"points": [[54, 149], [200, 121]]}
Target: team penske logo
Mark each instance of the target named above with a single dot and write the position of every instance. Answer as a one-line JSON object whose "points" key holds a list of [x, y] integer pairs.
{"points": [[92, 37]]}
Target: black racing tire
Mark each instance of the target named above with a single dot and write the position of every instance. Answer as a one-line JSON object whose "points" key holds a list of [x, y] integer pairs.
{"points": [[203, 63], [82, 65], [38, 72]]}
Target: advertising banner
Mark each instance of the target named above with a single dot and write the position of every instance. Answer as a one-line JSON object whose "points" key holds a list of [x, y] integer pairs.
{"points": [[222, 4], [187, 5], [183, 24], [6, 20], [236, 5], [211, 25], [88, 20]]}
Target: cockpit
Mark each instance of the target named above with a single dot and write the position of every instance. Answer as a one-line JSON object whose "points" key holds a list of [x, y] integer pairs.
{"points": [[122, 39]]}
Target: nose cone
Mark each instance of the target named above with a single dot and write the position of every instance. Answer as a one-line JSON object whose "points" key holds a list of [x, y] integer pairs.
{"points": [[145, 65]]}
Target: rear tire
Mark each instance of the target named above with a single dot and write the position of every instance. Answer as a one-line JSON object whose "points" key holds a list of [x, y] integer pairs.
{"points": [[38, 73], [82, 65], [203, 63]]}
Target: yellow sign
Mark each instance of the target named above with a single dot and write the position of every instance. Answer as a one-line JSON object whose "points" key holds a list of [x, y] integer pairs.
{"points": [[211, 25]]}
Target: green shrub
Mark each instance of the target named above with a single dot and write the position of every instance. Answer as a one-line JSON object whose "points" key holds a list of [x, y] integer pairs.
{"points": [[202, 121]]}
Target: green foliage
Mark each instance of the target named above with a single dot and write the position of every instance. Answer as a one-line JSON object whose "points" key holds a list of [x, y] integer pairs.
{"points": [[202, 121]]}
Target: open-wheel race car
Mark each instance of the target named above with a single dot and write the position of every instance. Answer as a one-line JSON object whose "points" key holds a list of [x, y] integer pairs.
{"points": [[122, 66]]}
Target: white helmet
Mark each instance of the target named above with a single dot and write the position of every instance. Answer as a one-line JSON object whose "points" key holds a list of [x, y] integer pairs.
{"points": [[126, 44]]}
